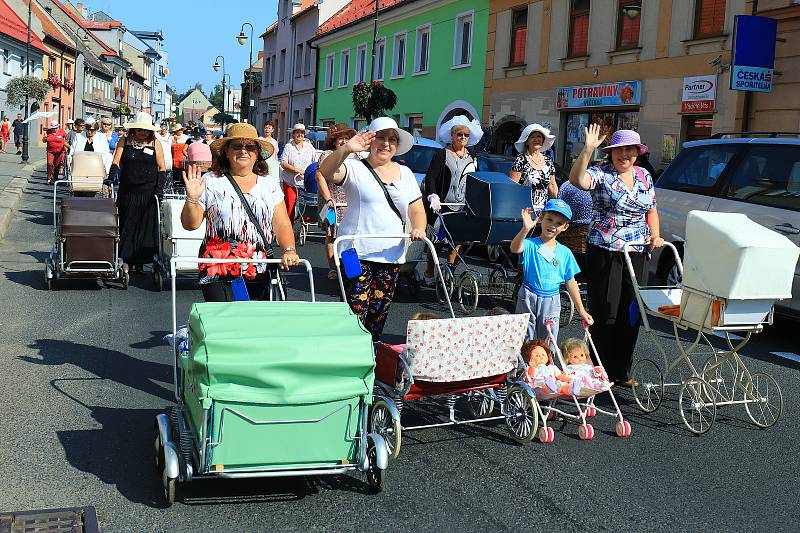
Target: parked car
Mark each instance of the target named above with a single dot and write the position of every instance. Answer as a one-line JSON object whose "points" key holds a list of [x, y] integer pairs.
{"points": [[419, 157], [756, 176]]}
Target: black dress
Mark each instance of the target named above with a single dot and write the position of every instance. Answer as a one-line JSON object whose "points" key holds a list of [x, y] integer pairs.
{"points": [[136, 203]]}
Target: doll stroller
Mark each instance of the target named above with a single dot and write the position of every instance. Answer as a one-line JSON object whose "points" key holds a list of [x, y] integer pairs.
{"points": [[248, 382], [174, 240], [306, 207], [471, 357], [731, 280]]}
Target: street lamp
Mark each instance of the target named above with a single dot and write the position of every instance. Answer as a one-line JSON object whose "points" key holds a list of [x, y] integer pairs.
{"points": [[242, 38], [25, 135], [216, 68]]}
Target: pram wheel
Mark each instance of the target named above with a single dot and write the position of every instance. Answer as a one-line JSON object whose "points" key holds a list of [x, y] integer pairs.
{"points": [[158, 279], [764, 400], [468, 292], [698, 409], [384, 424], [650, 389], [722, 378], [480, 405], [493, 252], [447, 283], [567, 308], [49, 277], [374, 473], [522, 417], [303, 233], [585, 432]]}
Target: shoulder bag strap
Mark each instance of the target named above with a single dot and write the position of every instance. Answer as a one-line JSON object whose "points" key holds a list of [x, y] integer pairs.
{"points": [[384, 189], [251, 214]]}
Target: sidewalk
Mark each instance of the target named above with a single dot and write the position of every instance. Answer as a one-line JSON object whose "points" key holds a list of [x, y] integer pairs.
{"points": [[14, 178]]}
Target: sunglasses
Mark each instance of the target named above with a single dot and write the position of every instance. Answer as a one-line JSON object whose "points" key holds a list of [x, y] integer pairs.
{"points": [[250, 147], [462, 134]]}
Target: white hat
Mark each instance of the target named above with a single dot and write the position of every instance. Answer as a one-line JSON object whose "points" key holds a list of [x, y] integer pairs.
{"points": [[530, 128], [90, 120], [70, 121], [406, 140], [475, 131], [53, 124], [298, 126], [142, 121]]}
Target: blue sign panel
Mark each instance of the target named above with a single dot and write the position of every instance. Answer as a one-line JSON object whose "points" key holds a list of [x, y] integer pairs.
{"points": [[617, 93], [753, 53]]}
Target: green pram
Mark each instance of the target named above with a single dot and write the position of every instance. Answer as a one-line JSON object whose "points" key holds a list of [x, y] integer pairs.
{"points": [[260, 395]]}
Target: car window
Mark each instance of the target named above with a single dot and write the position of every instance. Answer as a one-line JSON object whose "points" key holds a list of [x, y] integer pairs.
{"points": [[768, 175], [698, 169], [418, 158]]}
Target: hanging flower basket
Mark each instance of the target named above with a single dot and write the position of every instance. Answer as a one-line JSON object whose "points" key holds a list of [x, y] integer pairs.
{"points": [[17, 88], [69, 85], [372, 100], [54, 81]]}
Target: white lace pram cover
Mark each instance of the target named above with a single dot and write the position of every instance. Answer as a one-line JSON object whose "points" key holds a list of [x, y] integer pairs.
{"points": [[458, 349]]}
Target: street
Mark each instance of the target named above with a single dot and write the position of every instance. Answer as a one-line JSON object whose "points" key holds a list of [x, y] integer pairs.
{"points": [[86, 372]]}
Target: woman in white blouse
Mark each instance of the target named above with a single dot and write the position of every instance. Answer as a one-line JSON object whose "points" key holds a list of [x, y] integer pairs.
{"points": [[381, 197], [297, 155], [85, 142]]}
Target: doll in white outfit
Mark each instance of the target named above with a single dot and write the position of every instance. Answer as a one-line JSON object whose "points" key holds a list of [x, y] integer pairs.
{"points": [[585, 377], [542, 373]]}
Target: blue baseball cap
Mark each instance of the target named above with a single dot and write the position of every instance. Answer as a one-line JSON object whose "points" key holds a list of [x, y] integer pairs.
{"points": [[558, 206]]}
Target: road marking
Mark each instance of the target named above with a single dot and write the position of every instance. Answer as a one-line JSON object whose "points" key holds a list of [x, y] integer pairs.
{"points": [[788, 355]]}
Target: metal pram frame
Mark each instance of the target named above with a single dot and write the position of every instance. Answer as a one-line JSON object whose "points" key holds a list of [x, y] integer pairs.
{"points": [[720, 378]]}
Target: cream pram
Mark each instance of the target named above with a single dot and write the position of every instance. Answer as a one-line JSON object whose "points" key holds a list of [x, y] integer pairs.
{"points": [[174, 240]]}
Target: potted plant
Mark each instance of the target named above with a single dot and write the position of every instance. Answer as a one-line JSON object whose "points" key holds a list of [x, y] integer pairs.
{"points": [[17, 89], [54, 81]]}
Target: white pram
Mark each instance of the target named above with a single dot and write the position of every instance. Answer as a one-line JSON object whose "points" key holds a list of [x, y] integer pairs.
{"points": [[174, 241], [734, 271], [87, 174]]}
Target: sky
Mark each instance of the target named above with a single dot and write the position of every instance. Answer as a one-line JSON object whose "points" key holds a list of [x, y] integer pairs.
{"points": [[195, 32]]}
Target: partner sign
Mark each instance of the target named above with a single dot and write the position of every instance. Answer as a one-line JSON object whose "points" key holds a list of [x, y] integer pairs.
{"points": [[699, 94], [753, 62]]}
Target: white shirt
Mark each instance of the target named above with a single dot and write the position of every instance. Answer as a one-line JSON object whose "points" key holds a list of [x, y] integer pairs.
{"points": [[166, 147], [368, 212], [299, 158], [99, 145]]}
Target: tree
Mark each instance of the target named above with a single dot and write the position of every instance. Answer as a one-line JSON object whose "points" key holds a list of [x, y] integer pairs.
{"points": [[223, 118], [371, 100], [216, 97], [17, 88]]}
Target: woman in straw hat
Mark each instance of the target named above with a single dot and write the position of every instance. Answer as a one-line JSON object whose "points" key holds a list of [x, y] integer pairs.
{"points": [[138, 166], [239, 167], [624, 202], [533, 167]]}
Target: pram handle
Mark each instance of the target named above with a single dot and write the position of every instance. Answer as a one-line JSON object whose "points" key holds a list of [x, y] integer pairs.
{"points": [[628, 246], [337, 259]]}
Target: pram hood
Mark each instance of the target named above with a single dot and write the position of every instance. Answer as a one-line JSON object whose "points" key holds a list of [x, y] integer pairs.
{"points": [[279, 353], [88, 217]]}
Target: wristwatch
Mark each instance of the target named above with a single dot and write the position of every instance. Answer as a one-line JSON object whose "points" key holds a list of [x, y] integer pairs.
{"points": [[289, 249]]}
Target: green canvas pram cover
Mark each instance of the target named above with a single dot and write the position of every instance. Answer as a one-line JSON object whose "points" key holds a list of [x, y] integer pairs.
{"points": [[279, 353]]}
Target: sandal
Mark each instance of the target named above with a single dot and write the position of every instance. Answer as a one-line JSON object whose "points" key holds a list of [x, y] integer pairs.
{"points": [[333, 275]]}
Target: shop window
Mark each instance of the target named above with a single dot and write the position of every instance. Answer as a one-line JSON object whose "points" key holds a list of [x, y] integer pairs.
{"points": [[579, 28], [709, 18], [628, 23], [519, 36]]}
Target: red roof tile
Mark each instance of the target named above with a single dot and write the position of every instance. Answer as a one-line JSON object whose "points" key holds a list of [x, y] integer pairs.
{"points": [[50, 27], [107, 51], [354, 11], [14, 27]]}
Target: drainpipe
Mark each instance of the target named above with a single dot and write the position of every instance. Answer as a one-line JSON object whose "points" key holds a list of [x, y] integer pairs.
{"points": [[314, 61], [291, 77]]}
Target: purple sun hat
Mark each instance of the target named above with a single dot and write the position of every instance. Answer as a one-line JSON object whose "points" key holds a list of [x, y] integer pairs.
{"points": [[625, 138]]}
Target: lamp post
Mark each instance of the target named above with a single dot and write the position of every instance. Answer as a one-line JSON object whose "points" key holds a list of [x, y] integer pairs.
{"points": [[242, 38], [216, 67], [25, 138]]}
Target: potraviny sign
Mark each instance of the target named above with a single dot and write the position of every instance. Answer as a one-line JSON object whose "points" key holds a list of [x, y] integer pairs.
{"points": [[699, 94], [753, 61]]}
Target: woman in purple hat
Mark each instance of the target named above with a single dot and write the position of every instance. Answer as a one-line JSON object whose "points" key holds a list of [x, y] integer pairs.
{"points": [[624, 211]]}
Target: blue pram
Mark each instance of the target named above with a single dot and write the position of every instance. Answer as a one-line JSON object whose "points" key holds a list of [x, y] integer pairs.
{"points": [[306, 207]]}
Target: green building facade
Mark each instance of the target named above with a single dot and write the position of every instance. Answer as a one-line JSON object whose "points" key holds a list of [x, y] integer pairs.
{"points": [[431, 53]]}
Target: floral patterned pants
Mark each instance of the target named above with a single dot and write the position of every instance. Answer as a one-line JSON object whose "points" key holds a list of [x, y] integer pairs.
{"points": [[370, 294]]}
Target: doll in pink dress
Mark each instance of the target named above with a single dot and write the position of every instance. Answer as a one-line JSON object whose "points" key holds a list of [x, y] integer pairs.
{"points": [[586, 379], [542, 373]]}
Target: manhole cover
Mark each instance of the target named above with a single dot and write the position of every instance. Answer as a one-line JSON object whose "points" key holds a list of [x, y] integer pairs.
{"points": [[76, 520]]}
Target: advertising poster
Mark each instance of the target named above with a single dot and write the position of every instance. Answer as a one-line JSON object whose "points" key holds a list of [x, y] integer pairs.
{"points": [[628, 121], [606, 122], [575, 125], [599, 95], [699, 94], [668, 146]]}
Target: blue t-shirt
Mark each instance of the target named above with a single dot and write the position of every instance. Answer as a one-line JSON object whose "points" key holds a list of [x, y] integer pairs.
{"points": [[547, 269]]}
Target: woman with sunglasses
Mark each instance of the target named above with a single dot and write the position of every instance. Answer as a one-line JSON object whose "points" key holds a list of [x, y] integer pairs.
{"points": [[445, 180], [239, 167], [533, 167]]}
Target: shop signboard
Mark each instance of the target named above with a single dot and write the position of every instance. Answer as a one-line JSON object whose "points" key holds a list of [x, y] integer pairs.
{"points": [[753, 60], [614, 94], [699, 94]]}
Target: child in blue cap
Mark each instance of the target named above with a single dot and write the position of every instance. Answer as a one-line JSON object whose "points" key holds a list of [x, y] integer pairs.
{"points": [[546, 264]]}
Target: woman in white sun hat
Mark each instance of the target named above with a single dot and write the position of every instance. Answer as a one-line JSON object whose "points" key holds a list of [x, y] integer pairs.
{"points": [[297, 155], [533, 167], [382, 196], [138, 166]]}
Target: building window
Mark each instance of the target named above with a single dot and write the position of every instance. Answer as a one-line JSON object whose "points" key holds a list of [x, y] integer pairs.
{"points": [[462, 49], [422, 50], [328, 122], [329, 71], [344, 67], [67, 71], [272, 70], [399, 56], [361, 63], [266, 72], [298, 61], [709, 18], [414, 123], [629, 20], [307, 116], [307, 60], [283, 65], [579, 28], [51, 66], [380, 57], [519, 36], [5, 57]]}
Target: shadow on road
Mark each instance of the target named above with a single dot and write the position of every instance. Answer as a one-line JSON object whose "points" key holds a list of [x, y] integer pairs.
{"points": [[43, 218]]}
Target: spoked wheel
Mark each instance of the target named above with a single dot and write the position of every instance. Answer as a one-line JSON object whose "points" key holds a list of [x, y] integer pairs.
{"points": [[382, 423], [722, 379], [493, 252], [468, 292], [765, 400], [480, 404], [374, 474], [522, 418], [498, 282], [698, 409], [567, 309], [303, 233], [449, 283], [650, 389], [158, 279]]}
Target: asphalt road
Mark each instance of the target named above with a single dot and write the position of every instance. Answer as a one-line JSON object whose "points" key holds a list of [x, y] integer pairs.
{"points": [[85, 372]]}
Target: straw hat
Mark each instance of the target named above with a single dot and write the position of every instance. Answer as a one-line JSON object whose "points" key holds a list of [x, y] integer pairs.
{"points": [[241, 130], [141, 121], [177, 127], [475, 131], [406, 140], [337, 131], [530, 128]]}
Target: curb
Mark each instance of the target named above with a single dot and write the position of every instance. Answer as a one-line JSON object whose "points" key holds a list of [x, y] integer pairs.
{"points": [[11, 194]]}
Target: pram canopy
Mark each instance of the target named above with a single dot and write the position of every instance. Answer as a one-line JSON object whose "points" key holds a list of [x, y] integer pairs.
{"points": [[88, 217], [279, 353]]}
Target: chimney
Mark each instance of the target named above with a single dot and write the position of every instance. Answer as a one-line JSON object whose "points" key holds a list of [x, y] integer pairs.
{"points": [[80, 9]]}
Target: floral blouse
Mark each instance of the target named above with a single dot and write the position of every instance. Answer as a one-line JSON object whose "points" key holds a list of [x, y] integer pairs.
{"points": [[538, 180], [230, 233]]}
